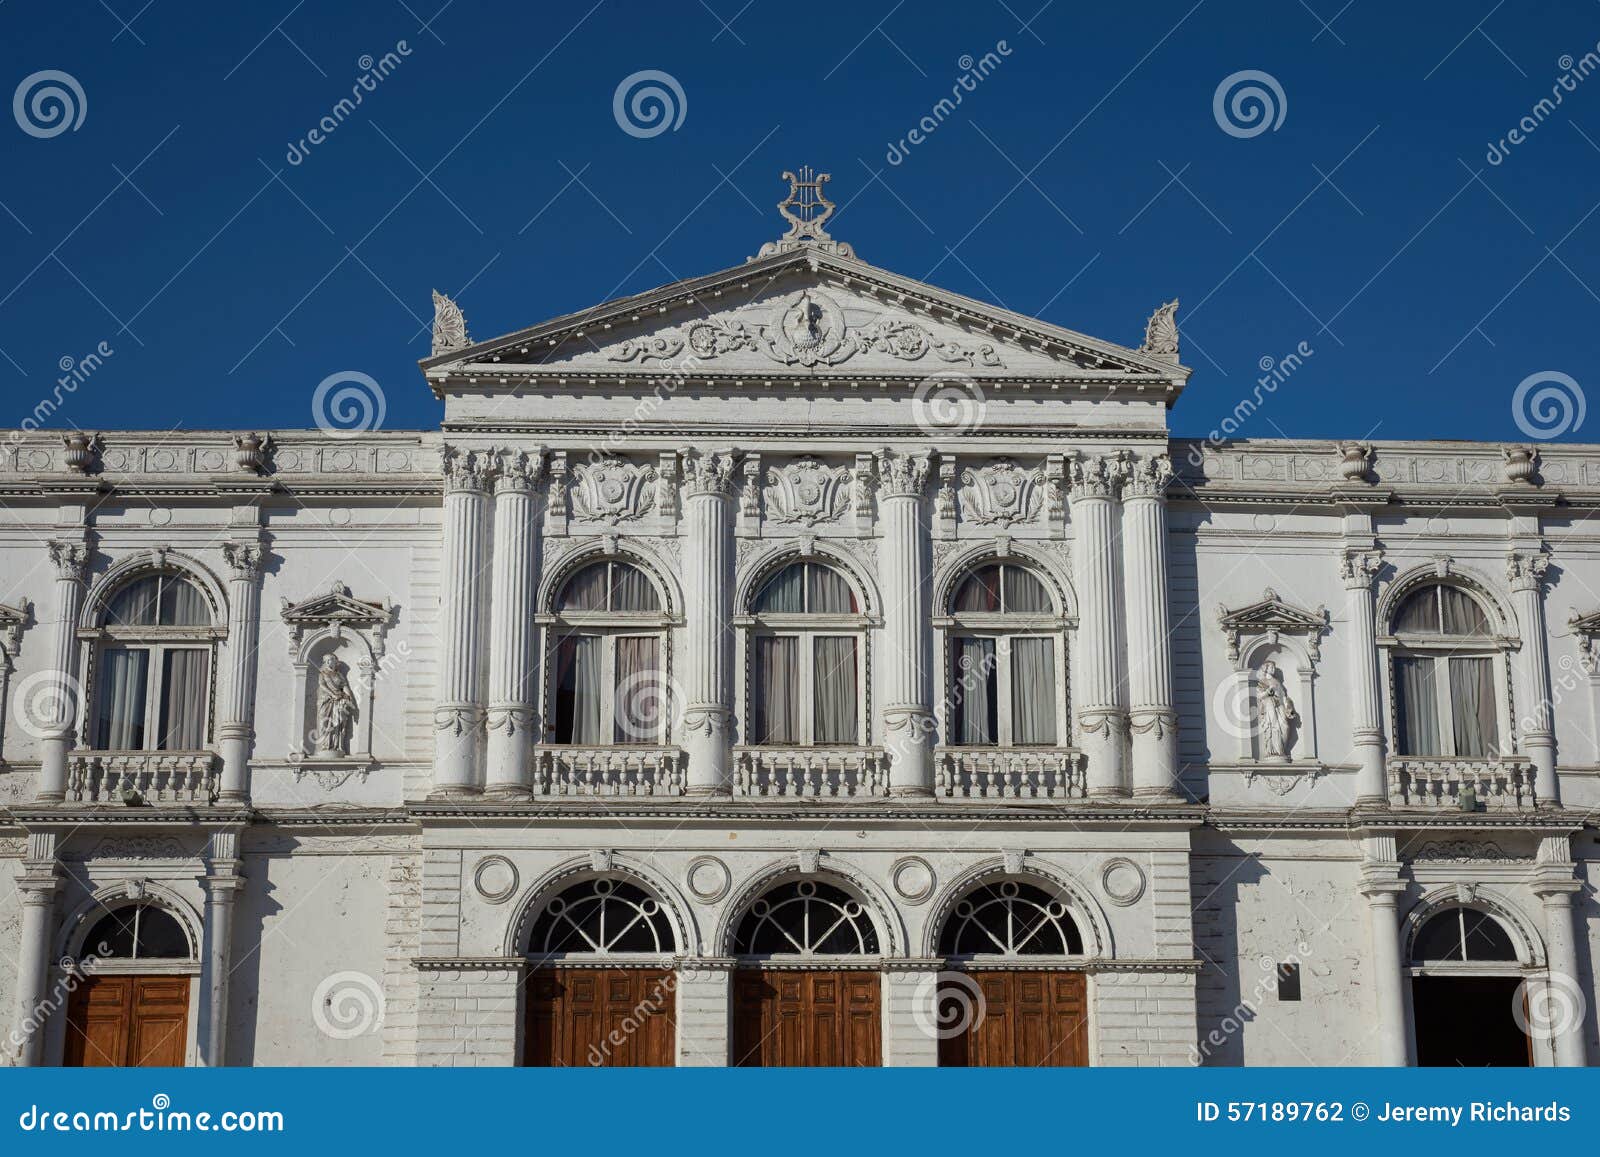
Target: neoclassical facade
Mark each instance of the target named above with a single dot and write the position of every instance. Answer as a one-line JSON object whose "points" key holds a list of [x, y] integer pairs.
{"points": [[798, 664]]}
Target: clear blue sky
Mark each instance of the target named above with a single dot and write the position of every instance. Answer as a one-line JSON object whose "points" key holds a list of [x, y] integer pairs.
{"points": [[1369, 224]]}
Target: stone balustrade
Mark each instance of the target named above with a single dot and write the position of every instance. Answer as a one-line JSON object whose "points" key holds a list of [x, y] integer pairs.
{"points": [[811, 772], [142, 777], [623, 770], [1021, 773], [1495, 784]]}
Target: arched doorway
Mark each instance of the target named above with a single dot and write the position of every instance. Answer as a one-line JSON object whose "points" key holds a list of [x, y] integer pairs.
{"points": [[130, 991], [803, 996], [1467, 995], [601, 991], [1008, 999]]}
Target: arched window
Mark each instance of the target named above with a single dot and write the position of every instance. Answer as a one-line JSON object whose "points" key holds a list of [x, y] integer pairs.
{"points": [[138, 932], [607, 684], [806, 918], [1447, 675], [154, 670], [1462, 936], [1005, 656], [1010, 918], [603, 916], [805, 659]]}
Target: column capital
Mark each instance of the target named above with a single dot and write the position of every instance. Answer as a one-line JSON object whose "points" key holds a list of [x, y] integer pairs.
{"points": [[1358, 566], [1526, 569], [901, 475], [467, 471], [244, 560], [69, 558], [1554, 889], [518, 471], [1095, 476], [709, 473], [1147, 477]]}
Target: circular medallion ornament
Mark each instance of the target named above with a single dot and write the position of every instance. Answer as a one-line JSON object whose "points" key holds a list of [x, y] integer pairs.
{"points": [[913, 879], [495, 878], [1122, 881], [808, 328], [708, 879]]}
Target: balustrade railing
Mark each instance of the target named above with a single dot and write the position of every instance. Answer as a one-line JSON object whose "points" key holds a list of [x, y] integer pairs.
{"points": [[811, 772], [622, 770], [142, 777], [1493, 784], [1020, 773]]}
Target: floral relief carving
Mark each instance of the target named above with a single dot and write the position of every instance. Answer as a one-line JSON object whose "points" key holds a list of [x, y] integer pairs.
{"points": [[612, 490], [1001, 494], [807, 492]]}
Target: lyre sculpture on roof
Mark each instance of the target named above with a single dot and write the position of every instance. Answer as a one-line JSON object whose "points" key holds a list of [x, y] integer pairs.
{"points": [[806, 210]]}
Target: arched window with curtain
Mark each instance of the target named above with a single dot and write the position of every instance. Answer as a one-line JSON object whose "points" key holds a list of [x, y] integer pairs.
{"points": [[805, 659], [1006, 661], [608, 685], [1448, 675], [154, 664]]}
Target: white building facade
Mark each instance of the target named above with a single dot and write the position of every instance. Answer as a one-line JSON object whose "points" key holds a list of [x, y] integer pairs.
{"points": [[798, 664]]}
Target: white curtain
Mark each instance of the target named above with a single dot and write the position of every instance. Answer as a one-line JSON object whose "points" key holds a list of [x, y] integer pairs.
{"points": [[637, 702], [586, 590], [1419, 614], [1462, 614], [1472, 707], [135, 604], [830, 593], [833, 682], [182, 604], [184, 692], [980, 593], [122, 700], [784, 593], [1418, 707], [975, 693], [777, 690], [1025, 594], [1033, 691], [578, 690], [631, 590]]}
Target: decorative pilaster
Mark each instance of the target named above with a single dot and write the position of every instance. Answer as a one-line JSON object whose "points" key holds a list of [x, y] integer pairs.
{"points": [[458, 719], [1151, 716], [1525, 570], [1357, 570], [36, 886], [705, 1012], [1560, 1015], [1093, 485], [908, 722], [511, 683], [236, 719], [223, 882], [707, 722], [70, 560], [1382, 886]]}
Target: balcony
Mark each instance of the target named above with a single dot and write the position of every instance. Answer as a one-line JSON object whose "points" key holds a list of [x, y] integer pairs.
{"points": [[1022, 773], [1494, 784], [159, 778], [810, 772], [621, 771]]}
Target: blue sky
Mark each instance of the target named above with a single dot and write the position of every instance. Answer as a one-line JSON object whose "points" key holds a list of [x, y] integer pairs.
{"points": [[1084, 179]]}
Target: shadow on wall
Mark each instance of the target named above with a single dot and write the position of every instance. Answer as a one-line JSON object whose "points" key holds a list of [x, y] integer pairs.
{"points": [[1225, 991]]}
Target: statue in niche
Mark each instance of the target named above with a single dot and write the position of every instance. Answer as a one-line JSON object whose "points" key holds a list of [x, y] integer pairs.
{"points": [[1275, 714], [336, 709]]}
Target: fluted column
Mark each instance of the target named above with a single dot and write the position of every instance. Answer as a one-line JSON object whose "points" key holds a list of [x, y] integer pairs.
{"points": [[36, 886], [1382, 887], [236, 719], [70, 560], [1358, 569], [1526, 571], [223, 882], [1093, 484], [1151, 716], [458, 718], [908, 722], [1567, 998], [707, 721], [511, 683]]}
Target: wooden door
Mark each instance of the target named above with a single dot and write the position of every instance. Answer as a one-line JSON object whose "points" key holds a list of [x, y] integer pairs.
{"points": [[1032, 1018], [803, 1018], [128, 1021], [601, 1017]]}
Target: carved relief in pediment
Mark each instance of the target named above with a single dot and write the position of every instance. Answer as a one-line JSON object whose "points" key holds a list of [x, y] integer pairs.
{"points": [[807, 491], [1001, 494], [612, 490]]}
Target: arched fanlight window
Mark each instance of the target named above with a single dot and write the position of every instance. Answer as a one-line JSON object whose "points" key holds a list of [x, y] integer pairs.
{"points": [[154, 667], [602, 916], [806, 918], [1462, 936], [1447, 675], [607, 683], [805, 659], [1005, 655], [1010, 918], [138, 932]]}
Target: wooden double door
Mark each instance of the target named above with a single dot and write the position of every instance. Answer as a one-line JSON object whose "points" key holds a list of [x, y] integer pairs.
{"points": [[1021, 1018], [600, 1017], [803, 1018], [128, 1021]]}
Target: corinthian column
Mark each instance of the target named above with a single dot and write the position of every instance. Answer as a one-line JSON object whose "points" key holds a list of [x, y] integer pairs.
{"points": [[223, 882], [907, 710], [60, 729], [1526, 571], [1144, 572], [1092, 488], [511, 730], [1566, 997], [37, 886], [1357, 569], [707, 727], [236, 721], [459, 717]]}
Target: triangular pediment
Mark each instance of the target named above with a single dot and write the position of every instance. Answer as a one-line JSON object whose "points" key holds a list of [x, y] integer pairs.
{"points": [[335, 606], [1272, 613], [798, 313]]}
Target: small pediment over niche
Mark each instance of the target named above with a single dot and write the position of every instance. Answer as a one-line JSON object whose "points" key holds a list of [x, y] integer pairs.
{"points": [[1272, 616], [336, 606], [1586, 628], [13, 621]]}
